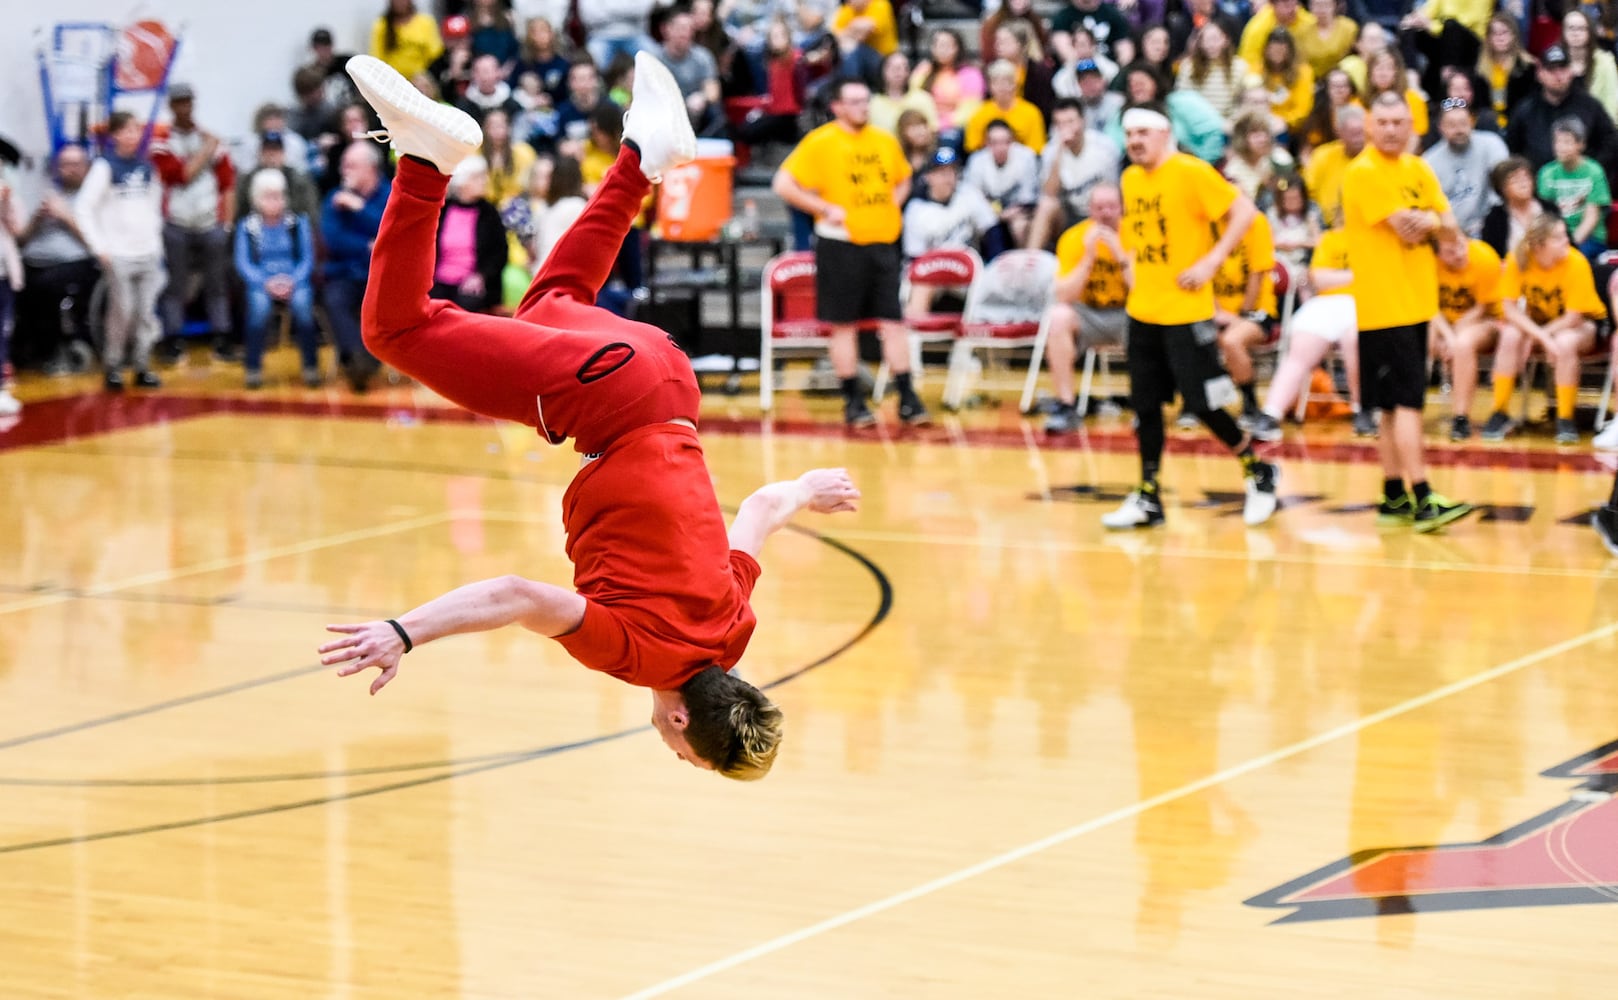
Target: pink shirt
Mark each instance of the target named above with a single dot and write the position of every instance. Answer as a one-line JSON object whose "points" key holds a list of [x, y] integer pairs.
{"points": [[457, 245]]}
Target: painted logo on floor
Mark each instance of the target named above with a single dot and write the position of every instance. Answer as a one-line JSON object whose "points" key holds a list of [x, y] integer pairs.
{"points": [[1566, 855]]}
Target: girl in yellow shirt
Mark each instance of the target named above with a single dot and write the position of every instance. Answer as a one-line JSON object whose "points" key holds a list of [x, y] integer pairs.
{"points": [[1550, 302], [1289, 80], [406, 39]]}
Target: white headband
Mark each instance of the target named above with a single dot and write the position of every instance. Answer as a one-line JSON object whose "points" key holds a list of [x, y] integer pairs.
{"points": [[1144, 118]]}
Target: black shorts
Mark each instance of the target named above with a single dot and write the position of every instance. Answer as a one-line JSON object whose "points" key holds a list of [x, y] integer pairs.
{"points": [[855, 282], [1183, 359], [1393, 367]]}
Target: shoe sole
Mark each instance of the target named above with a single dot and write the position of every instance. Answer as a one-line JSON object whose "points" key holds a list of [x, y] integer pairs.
{"points": [[1143, 525], [862, 422], [1610, 542], [652, 74], [925, 420], [383, 88], [1430, 526], [1394, 520]]}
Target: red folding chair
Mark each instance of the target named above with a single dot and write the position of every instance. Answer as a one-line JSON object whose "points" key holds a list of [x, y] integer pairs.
{"points": [[1009, 308], [787, 317], [942, 270]]}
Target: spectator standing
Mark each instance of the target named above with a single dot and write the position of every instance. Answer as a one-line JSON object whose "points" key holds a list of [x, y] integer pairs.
{"points": [[406, 39], [59, 273], [1074, 163], [336, 87], [12, 225], [275, 258], [348, 225], [199, 180]]}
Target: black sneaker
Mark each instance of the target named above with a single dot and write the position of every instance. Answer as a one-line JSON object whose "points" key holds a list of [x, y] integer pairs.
{"points": [[1497, 427], [1264, 427], [1365, 424], [1438, 510], [114, 382], [359, 374], [1567, 432], [145, 379], [1064, 419], [1398, 512], [856, 413], [911, 411], [1460, 428], [1606, 525]]}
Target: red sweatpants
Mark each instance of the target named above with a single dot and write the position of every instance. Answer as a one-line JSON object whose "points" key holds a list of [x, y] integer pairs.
{"points": [[562, 364]]}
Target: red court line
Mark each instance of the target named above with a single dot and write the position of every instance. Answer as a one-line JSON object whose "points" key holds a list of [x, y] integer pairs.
{"points": [[88, 415]]}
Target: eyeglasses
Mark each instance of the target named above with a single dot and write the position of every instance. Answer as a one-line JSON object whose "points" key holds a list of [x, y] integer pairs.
{"points": [[1454, 104]]}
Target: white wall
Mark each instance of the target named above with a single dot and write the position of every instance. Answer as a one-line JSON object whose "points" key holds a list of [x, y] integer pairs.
{"points": [[238, 54]]}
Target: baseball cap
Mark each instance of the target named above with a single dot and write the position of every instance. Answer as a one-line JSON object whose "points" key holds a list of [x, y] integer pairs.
{"points": [[457, 27], [1084, 66], [181, 92], [1555, 56], [945, 156], [320, 36], [273, 139]]}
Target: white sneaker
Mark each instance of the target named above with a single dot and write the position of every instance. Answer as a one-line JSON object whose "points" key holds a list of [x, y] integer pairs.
{"points": [[417, 126], [10, 406], [1262, 498], [657, 120], [1607, 440], [1137, 511]]}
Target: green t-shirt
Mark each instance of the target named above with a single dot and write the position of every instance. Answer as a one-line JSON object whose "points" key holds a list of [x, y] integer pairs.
{"points": [[1571, 190]]}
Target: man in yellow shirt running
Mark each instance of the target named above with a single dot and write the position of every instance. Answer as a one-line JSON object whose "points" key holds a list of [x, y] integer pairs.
{"points": [[1172, 201], [854, 180], [1392, 208]]}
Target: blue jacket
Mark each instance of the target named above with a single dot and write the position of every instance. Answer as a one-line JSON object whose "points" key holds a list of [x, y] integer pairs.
{"points": [[263, 251], [349, 235]]}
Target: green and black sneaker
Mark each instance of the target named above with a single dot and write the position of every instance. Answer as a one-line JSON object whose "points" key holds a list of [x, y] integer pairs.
{"points": [[1438, 510], [1396, 513]]}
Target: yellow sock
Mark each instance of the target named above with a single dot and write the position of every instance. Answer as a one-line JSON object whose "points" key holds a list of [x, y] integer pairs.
{"points": [[1503, 387], [1567, 396]]}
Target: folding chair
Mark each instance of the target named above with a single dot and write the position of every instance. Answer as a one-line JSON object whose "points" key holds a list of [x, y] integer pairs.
{"points": [[941, 270], [787, 317], [1009, 308]]}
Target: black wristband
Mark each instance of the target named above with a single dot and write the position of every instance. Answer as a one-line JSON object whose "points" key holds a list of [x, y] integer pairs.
{"points": [[403, 635]]}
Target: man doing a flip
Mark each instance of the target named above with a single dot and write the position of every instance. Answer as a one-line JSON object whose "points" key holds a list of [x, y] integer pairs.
{"points": [[661, 589]]}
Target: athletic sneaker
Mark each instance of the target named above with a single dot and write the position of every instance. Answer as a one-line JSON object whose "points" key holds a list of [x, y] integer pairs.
{"points": [[1186, 422], [1264, 427], [1438, 510], [1398, 512], [114, 382], [1607, 440], [416, 125], [312, 378], [253, 379], [10, 406], [1567, 432], [1141, 509], [1262, 499], [1364, 423], [146, 379], [657, 121], [913, 412], [1064, 419], [1460, 428], [1498, 426], [857, 413], [1606, 525]]}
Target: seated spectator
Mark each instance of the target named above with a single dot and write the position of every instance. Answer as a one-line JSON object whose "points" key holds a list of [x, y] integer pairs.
{"points": [[1291, 83], [1334, 94], [1022, 14], [1578, 188], [1065, 81], [867, 23], [1506, 67], [405, 38], [299, 192], [1013, 44], [615, 26], [554, 200], [1373, 39], [708, 32], [777, 119], [620, 80], [1324, 171], [1286, 16], [535, 124], [1331, 38], [348, 226], [494, 34], [1549, 299], [541, 57], [947, 214], [1114, 38], [273, 118], [471, 241], [1461, 84], [59, 273], [696, 71], [584, 96], [1513, 182], [1468, 320], [1592, 66], [1076, 160], [11, 277], [487, 91], [1185, 21], [896, 95], [1385, 72], [1197, 127], [353, 120], [120, 216], [1245, 308], [275, 258], [1463, 162], [1154, 52], [1294, 223], [1444, 33], [917, 141], [956, 88], [1094, 275], [508, 159], [452, 70], [1103, 109], [1024, 120], [1006, 173], [1255, 158], [1213, 69], [600, 149], [1529, 133]]}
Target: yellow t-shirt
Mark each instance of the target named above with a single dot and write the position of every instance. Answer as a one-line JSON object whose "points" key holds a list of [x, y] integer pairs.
{"points": [[858, 171], [1027, 124], [418, 45], [1257, 33], [1477, 283], [1106, 287], [1394, 284], [1168, 226], [1331, 254], [1323, 175], [510, 182], [1292, 104], [884, 37], [1324, 53], [1550, 292], [1255, 253]]}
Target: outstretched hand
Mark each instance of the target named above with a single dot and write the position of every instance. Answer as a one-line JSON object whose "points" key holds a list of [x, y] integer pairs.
{"points": [[829, 491], [369, 644]]}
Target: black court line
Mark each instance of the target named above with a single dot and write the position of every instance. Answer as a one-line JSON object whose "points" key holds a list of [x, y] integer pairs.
{"points": [[323, 461], [462, 768]]}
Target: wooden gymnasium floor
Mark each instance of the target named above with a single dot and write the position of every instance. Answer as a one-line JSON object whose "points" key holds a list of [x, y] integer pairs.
{"points": [[1025, 759]]}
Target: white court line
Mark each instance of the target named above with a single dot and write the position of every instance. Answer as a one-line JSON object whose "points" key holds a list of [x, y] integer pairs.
{"points": [[1117, 816], [214, 565]]}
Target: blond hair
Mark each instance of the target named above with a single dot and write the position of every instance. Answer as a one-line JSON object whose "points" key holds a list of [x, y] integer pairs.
{"points": [[1544, 226], [733, 726]]}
